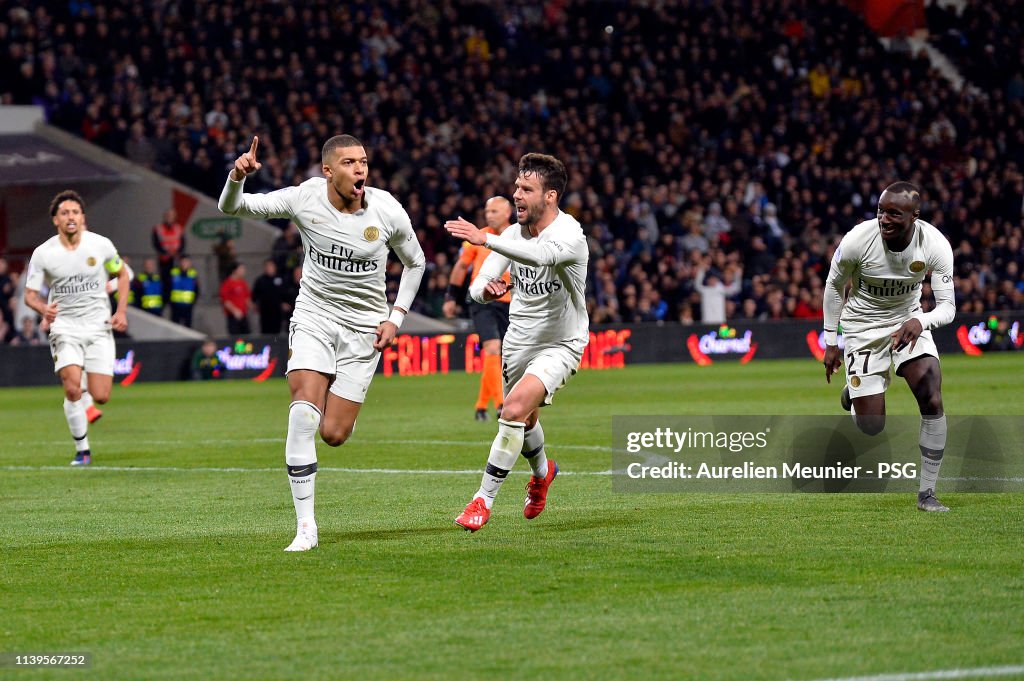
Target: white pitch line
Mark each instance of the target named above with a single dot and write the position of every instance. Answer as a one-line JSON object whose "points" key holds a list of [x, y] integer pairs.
{"points": [[939, 674], [592, 448], [179, 469], [333, 469], [242, 441]]}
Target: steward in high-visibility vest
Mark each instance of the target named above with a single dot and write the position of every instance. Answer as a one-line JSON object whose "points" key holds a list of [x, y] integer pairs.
{"points": [[184, 290], [152, 295]]}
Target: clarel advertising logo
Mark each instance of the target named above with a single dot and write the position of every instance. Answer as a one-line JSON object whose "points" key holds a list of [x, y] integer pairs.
{"points": [[816, 343], [243, 355], [724, 341], [127, 366], [991, 335]]}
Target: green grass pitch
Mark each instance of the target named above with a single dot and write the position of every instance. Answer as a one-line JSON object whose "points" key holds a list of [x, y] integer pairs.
{"points": [[176, 569]]}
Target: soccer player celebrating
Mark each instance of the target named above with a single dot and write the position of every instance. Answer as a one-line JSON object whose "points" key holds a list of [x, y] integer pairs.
{"points": [[887, 258], [491, 320], [341, 321], [76, 265], [548, 325]]}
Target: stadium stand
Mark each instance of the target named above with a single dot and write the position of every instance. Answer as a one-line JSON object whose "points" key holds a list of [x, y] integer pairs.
{"points": [[698, 136]]}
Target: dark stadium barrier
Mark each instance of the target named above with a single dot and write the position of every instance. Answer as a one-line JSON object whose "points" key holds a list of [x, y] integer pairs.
{"points": [[611, 346]]}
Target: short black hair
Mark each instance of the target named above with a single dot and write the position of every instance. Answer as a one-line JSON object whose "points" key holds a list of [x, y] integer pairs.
{"points": [[338, 142], [906, 188], [66, 195], [549, 169]]}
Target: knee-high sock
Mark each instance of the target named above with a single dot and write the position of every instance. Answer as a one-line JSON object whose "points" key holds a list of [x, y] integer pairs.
{"points": [[505, 449], [300, 455], [933, 444], [78, 424], [533, 450], [86, 397]]}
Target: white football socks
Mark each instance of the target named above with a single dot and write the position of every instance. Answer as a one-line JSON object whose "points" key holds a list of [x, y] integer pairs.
{"points": [[933, 445], [300, 456], [86, 397], [78, 424], [505, 449], [533, 450]]}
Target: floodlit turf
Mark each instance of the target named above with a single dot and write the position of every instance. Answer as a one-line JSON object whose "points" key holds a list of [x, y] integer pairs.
{"points": [[178, 571]]}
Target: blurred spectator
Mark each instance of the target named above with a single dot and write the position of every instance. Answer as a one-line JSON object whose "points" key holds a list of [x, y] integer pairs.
{"points": [[7, 288], [206, 365], [28, 333], [224, 250], [782, 114], [268, 292], [184, 291], [291, 292], [714, 292], [151, 289], [287, 250], [234, 298], [169, 244]]}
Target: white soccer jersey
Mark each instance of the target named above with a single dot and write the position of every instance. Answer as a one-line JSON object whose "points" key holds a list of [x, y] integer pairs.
{"points": [[346, 254], [77, 280], [549, 278], [886, 284]]}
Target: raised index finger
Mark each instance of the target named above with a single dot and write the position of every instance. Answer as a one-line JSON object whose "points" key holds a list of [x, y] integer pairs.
{"points": [[255, 143]]}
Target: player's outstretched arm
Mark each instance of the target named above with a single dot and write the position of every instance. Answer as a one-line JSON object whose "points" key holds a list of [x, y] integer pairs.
{"points": [[548, 253], [233, 201], [246, 164]]}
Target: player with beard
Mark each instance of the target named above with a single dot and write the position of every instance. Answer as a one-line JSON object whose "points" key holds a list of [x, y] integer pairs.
{"points": [[490, 321], [884, 325], [76, 265], [546, 255], [341, 321]]}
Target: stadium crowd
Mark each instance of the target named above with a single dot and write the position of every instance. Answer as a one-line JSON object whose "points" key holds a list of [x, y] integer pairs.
{"points": [[716, 154]]}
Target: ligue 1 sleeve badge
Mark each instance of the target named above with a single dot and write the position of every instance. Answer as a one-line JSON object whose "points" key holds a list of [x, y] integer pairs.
{"points": [[916, 266]]}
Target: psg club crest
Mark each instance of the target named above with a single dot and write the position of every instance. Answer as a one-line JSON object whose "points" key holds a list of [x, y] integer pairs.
{"points": [[371, 233]]}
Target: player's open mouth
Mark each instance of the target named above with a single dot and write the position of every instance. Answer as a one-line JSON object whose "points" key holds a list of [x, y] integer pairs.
{"points": [[520, 212], [359, 186]]}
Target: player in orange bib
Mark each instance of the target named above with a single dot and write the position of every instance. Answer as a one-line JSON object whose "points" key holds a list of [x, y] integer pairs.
{"points": [[490, 321]]}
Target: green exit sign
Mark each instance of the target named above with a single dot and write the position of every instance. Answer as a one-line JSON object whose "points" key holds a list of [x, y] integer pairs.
{"points": [[215, 228]]}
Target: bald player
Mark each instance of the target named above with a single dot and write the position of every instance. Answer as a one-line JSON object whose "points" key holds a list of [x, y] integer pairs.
{"points": [[490, 321], [884, 326]]}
